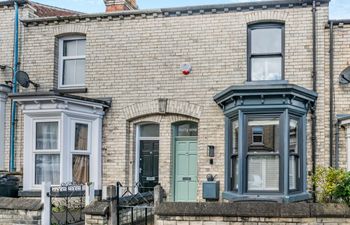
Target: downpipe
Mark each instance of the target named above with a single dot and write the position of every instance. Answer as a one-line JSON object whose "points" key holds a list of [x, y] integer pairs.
{"points": [[12, 165], [314, 85], [331, 93]]}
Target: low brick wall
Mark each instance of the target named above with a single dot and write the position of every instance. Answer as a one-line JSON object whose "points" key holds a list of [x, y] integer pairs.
{"points": [[251, 213], [20, 211], [97, 213]]}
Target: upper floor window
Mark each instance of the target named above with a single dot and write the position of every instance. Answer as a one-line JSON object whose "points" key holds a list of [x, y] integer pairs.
{"points": [[72, 62], [265, 51]]}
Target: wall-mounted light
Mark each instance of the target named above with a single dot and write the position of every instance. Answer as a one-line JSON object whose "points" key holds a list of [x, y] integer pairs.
{"points": [[211, 151]]}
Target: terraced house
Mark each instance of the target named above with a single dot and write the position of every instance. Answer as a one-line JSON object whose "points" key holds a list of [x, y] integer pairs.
{"points": [[255, 94]]}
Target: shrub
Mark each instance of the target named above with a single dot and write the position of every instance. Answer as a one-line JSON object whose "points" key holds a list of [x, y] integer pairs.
{"points": [[327, 181], [342, 190]]}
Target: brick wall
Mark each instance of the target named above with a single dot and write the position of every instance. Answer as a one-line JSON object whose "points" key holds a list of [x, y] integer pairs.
{"points": [[251, 213], [137, 60], [95, 220], [6, 58], [249, 221], [20, 211], [341, 92]]}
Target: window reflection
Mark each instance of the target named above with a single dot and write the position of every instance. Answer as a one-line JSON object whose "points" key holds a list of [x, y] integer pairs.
{"points": [[294, 174], [263, 154], [234, 156]]}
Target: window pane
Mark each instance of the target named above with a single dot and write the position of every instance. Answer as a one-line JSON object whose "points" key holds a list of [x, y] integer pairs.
{"points": [[293, 172], [234, 157], [70, 48], [268, 138], [81, 47], [234, 173], [294, 169], [263, 173], [187, 129], [73, 71], [80, 169], [235, 137], [46, 135], [266, 68], [149, 130], [68, 72], [267, 40], [47, 168], [81, 136], [80, 71], [293, 136]]}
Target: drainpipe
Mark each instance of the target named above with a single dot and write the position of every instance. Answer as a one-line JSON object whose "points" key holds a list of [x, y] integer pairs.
{"points": [[331, 92], [14, 89], [337, 144], [314, 84]]}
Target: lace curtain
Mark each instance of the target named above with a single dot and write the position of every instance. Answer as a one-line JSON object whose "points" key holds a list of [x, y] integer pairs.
{"points": [[47, 168]]}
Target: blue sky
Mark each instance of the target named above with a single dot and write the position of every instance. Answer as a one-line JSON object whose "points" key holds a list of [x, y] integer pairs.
{"points": [[339, 9]]}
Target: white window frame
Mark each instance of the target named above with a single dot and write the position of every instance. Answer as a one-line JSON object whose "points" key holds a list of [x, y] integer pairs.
{"points": [[62, 58], [73, 151], [35, 152]]}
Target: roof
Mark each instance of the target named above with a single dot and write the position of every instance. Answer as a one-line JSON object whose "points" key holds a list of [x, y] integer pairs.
{"points": [[106, 103], [49, 11], [183, 11], [264, 89], [42, 10]]}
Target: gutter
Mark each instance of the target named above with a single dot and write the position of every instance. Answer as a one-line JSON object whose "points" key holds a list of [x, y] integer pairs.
{"points": [[12, 165], [314, 85]]}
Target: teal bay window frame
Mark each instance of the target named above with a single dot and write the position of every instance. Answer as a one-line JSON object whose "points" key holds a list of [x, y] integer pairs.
{"points": [[286, 101]]}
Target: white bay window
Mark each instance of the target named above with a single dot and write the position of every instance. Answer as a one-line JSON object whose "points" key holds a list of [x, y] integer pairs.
{"points": [[58, 143]]}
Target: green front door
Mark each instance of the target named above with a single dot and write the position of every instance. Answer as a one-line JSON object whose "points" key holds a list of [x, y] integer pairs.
{"points": [[185, 170]]}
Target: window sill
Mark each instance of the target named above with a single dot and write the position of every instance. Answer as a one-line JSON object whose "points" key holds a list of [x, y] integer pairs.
{"points": [[71, 90]]}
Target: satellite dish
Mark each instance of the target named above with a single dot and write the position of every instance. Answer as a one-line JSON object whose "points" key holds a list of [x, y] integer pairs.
{"points": [[345, 76], [23, 79]]}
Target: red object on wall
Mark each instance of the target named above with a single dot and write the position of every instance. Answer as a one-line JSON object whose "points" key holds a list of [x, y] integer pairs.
{"points": [[186, 69]]}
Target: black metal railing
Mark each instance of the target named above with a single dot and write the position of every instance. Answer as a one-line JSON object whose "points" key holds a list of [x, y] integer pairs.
{"points": [[67, 203], [135, 204]]}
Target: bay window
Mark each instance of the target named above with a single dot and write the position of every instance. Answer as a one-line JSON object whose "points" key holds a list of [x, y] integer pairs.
{"points": [[265, 51], [58, 143], [265, 141]]}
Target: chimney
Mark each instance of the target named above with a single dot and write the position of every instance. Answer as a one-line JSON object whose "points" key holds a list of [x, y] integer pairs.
{"points": [[120, 5]]}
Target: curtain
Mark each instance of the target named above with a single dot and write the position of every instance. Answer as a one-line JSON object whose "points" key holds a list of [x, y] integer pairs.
{"points": [[81, 169], [81, 137], [47, 168], [46, 135]]}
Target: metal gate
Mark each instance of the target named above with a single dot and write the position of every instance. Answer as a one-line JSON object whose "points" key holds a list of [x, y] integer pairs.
{"points": [[67, 203], [134, 205]]}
